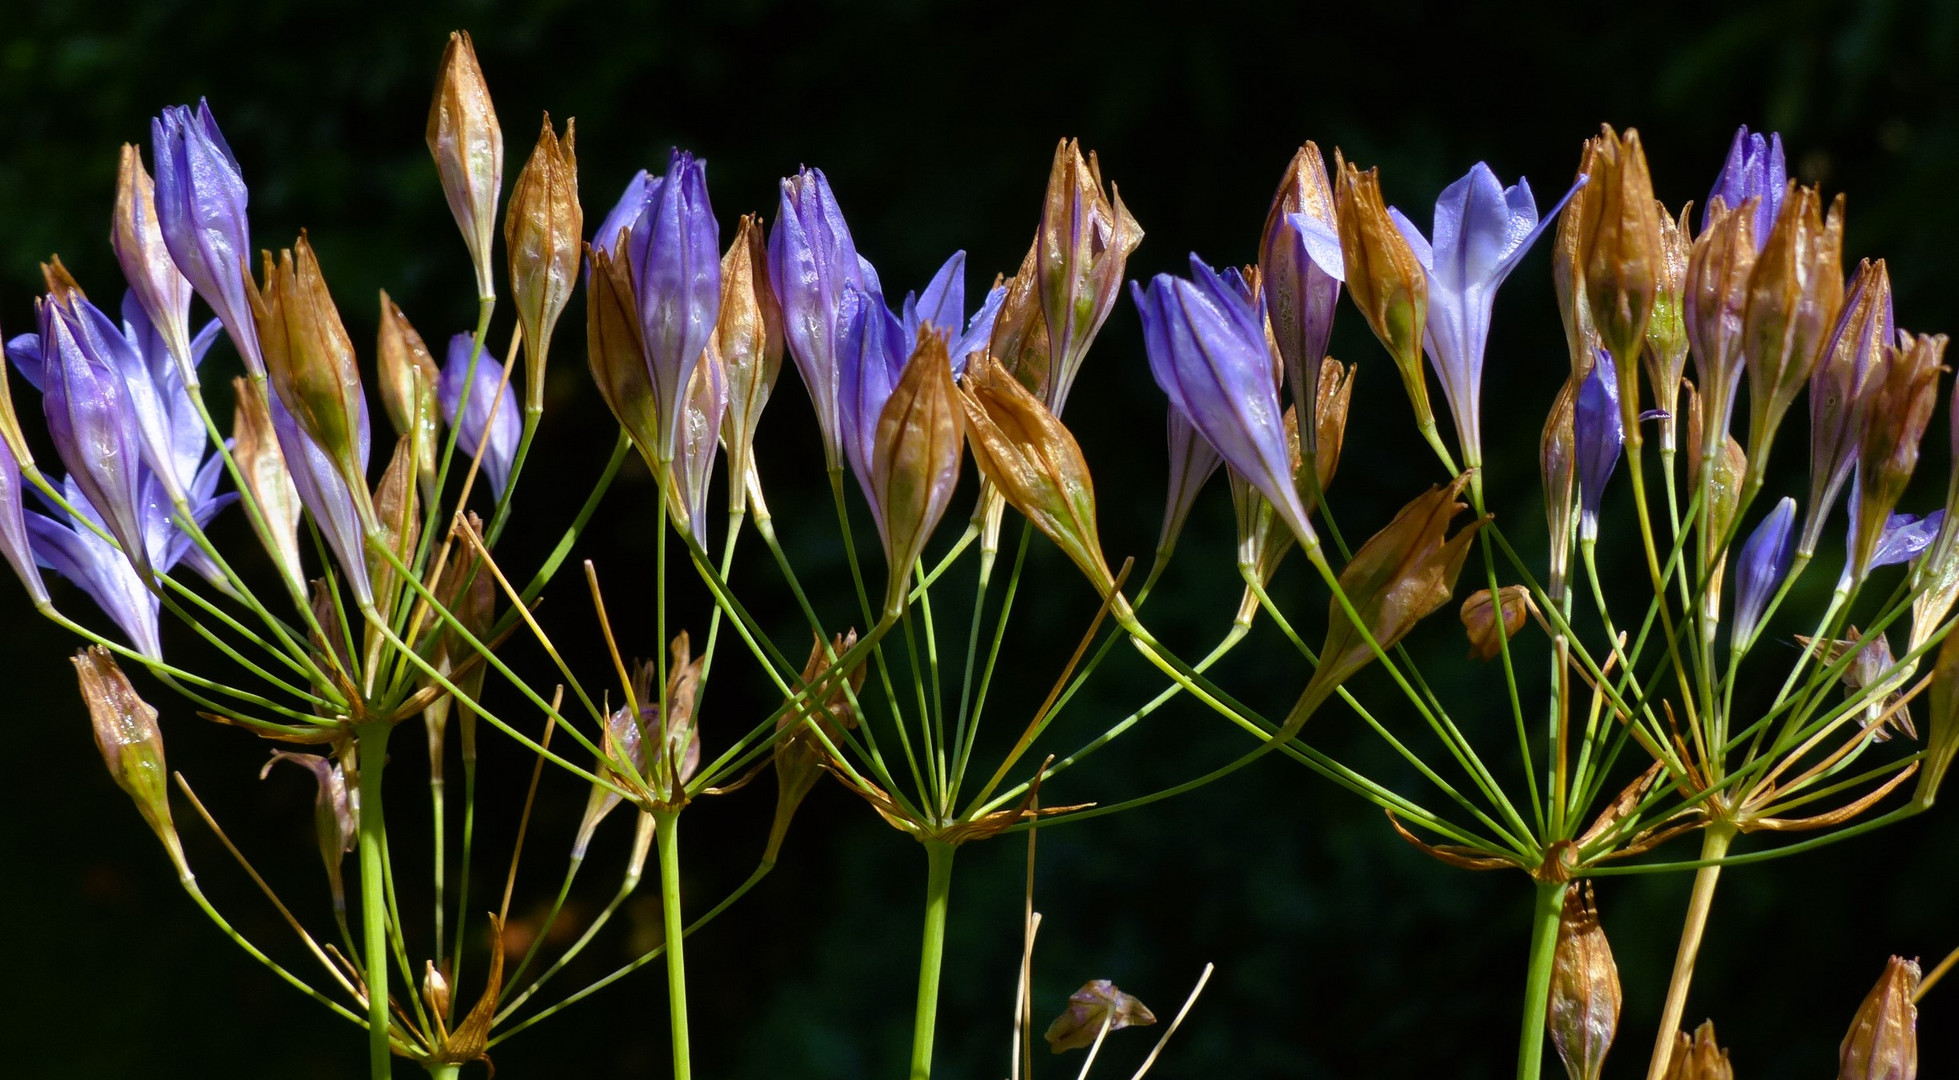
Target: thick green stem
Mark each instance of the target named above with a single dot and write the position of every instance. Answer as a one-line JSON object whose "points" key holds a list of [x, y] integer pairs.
{"points": [[938, 889], [445, 1072], [1537, 985], [665, 823], [372, 747], [1714, 844]]}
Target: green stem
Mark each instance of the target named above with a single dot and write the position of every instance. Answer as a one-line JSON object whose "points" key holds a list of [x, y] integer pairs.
{"points": [[1537, 984], [1714, 845], [665, 822], [372, 747], [938, 889], [445, 1072]]}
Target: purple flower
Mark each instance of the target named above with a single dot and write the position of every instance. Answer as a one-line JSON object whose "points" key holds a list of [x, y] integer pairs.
{"points": [[503, 424], [91, 420], [323, 492], [98, 569], [811, 262], [1192, 461], [1904, 536], [1482, 230], [200, 206], [1206, 343], [675, 251], [1764, 563], [700, 430], [1754, 170], [13, 526], [1599, 431], [624, 214], [943, 306]]}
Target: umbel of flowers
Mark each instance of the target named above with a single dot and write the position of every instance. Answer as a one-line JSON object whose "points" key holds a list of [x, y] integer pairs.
{"points": [[1638, 717]]}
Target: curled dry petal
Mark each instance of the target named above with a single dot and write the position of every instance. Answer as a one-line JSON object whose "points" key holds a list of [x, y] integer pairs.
{"points": [[1085, 239], [1035, 463], [1942, 728], [1699, 1057]]}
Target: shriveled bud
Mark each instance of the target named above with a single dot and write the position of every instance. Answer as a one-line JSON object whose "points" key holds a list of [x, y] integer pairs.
{"points": [[160, 289], [915, 460], [131, 745], [1035, 463], [336, 814], [255, 446], [1794, 293], [1883, 1040], [1085, 239], [1838, 391], [1401, 575], [1901, 405], [1300, 295], [1568, 269], [1385, 278], [748, 339], [1263, 537], [680, 755], [1098, 1005], [1942, 728], [799, 755], [542, 233], [1622, 256], [1728, 466], [612, 343], [399, 521], [1557, 456], [1718, 268], [1584, 1005], [1665, 354], [435, 989], [1335, 395], [309, 357], [1479, 619], [1699, 1057], [623, 744], [408, 388], [467, 144], [1020, 341]]}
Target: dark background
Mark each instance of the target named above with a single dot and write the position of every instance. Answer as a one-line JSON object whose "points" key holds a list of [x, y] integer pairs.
{"points": [[1340, 951]]}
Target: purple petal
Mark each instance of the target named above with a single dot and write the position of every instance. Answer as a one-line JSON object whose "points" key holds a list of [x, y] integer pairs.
{"points": [[1764, 562], [486, 386]]}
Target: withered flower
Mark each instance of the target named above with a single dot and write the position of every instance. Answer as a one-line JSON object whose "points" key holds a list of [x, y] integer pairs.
{"points": [[1568, 269], [1584, 1004], [1942, 727], [1901, 405], [1301, 295], [1097, 1005], [467, 144], [1882, 1043], [1479, 619], [1085, 239], [1622, 256], [1557, 458], [1793, 297], [1851, 362], [915, 460], [160, 289], [612, 343], [336, 814], [409, 379], [1035, 463], [1718, 269], [1384, 278], [1665, 354], [748, 339], [255, 446], [799, 754], [542, 231], [310, 359], [132, 746]]}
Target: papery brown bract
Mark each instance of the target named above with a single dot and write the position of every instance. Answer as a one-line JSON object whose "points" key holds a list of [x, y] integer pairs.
{"points": [[1699, 1057], [542, 232], [748, 340], [1085, 239], [1401, 575], [467, 144], [1384, 278], [1479, 619], [1901, 405], [1620, 249], [1098, 1004], [614, 350], [1035, 464], [1584, 994], [408, 388], [309, 358], [680, 754], [132, 746], [921, 434], [1794, 293], [1882, 1043], [255, 447]]}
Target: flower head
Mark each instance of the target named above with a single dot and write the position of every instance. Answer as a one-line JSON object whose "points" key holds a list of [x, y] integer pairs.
{"points": [[675, 255], [1753, 170]]}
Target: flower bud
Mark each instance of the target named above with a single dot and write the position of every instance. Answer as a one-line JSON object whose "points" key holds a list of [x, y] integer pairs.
{"points": [[1794, 293], [336, 814], [542, 234], [1902, 399], [1622, 257], [1385, 278], [1557, 457], [408, 388], [1718, 268], [1699, 1057], [132, 747], [1098, 1005], [915, 460], [1085, 239], [612, 343], [200, 207], [1839, 388], [1665, 354], [435, 989], [1764, 562], [675, 252], [1300, 296], [309, 357], [1598, 434], [161, 290], [1035, 464], [255, 446], [748, 340], [467, 144], [487, 425], [1584, 1005], [799, 755], [1479, 619], [1882, 1043]]}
